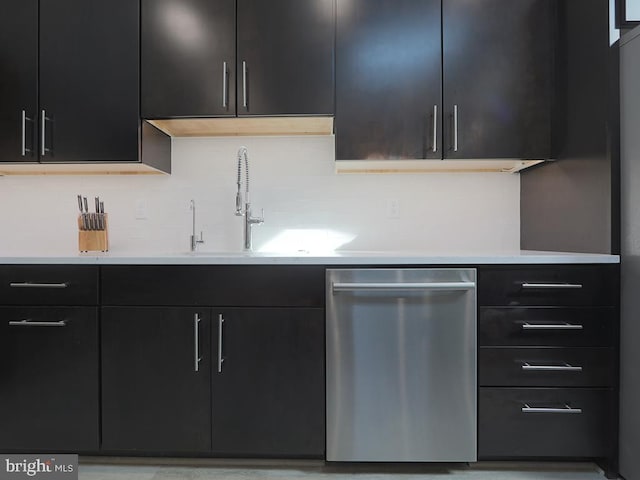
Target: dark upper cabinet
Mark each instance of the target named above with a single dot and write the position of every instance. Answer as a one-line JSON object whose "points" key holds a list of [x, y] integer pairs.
{"points": [[72, 67], [425, 79], [89, 80], [275, 58], [188, 58], [156, 379], [497, 57], [285, 57], [268, 390], [388, 79], [18, 80]]}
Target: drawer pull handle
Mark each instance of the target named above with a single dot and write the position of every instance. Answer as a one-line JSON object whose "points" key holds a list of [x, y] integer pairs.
{"points": [[28, 323], [558, 286], [38, 285], [566, 409], [551, 368], [551, 326]]}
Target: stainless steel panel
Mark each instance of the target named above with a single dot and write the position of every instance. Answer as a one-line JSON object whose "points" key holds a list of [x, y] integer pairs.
{"points": [[401, 367]]}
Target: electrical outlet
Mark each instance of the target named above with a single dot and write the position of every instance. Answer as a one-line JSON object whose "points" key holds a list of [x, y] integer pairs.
{"points": [[393, 208], [141, 209]]}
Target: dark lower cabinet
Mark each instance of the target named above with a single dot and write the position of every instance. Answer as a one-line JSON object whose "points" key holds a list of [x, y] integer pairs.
{"points": [[268, 390], [49, 379], [156, 380]]}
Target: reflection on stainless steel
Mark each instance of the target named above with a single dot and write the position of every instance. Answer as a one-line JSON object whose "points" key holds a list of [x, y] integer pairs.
{"points": [[401, 365]]}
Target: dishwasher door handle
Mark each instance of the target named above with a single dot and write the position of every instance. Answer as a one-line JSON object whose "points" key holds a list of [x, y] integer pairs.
{"points": [[390, 287]]}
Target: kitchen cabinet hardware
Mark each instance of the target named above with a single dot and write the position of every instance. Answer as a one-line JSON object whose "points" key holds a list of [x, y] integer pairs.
{"points": [[196, 342], [551, 368], [435, 129], [43, 134], [27, 322], [346, 287], [23, 144], [455, 128], [558, 286], [244, 84], [220, 327], [551, 326], [567, 409], [225, 75], [38, 285]]}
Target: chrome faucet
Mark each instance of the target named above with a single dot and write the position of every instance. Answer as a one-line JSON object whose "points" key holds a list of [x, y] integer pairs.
{"points": [[245, 211], [194, 240]]}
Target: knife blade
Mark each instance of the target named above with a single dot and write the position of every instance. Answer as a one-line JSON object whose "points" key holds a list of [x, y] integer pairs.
{"points": [[82, 222], [97, 214], [86, 213]]}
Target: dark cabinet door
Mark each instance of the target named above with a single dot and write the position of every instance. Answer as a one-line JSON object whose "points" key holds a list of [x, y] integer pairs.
{"points": [[285, 57], [388, 79], [268, 394], [188, 52], [18, 80], [49, 379], [89, 82], [155, 393], [497, 57]]}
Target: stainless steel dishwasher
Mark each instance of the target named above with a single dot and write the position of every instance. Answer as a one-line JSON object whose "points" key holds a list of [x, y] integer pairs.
{"points": [[401, 365]]}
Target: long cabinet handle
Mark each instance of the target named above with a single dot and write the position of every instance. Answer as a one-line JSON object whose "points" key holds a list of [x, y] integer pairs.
{"points": [[354, 287], [28, 323], [551, 326], [551, 368], [43, 136], [196, 341], [455, 128], [244, 84], [435, 129], [567, 409], [556, 286], [224, 84], [23, 145], [38, 285], [220, 327]]}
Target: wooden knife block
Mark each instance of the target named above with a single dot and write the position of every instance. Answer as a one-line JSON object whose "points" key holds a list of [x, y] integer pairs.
{"points": [[93, 240]]}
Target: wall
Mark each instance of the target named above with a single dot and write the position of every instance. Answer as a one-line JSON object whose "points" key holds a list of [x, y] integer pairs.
{"points": [[293, 179]]}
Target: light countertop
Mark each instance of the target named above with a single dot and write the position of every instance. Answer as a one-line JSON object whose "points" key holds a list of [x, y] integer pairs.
{"points": [[303, 258]]}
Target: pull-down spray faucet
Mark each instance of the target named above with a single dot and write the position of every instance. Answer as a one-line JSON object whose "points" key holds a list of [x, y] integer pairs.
{"points": [[245, 211]]}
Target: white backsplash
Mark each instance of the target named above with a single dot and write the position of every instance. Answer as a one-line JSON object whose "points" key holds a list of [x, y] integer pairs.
{"points": [[293, 179]]}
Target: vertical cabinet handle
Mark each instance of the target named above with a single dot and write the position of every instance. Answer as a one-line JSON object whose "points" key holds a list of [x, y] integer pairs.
{"points": [[455, 128], [23, 145], [196, 335], [220, 327], [43, 136], [244, 84], [224, 85], [435, 128]]}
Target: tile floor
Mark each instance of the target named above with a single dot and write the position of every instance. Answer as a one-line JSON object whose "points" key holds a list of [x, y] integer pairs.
{"points": [[189, 469]]}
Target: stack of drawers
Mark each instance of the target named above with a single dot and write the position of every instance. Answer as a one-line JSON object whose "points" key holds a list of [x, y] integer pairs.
{"points": [[547, 371], [49, 372]]}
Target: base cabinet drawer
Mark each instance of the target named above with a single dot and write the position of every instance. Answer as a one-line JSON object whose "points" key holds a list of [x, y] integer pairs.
{"points": [[548, 326], [545, 367], [542, 422]]}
